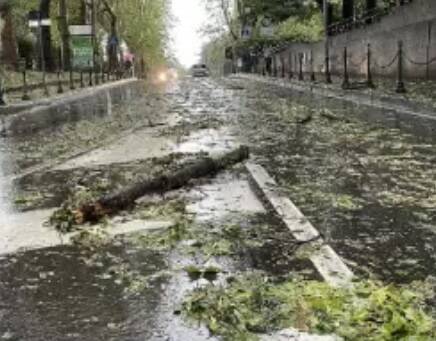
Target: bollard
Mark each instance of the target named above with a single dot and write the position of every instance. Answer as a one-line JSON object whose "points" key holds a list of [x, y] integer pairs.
{"points": [[82, 83], [369, 81], [22, 69], [274, 66], [296, 64], [60, 72], [102, 75], [328, 76], [282, 62], [44, 85], [427, 65], [401, 89], [346, 81], [142, 65], [59, 79], [312, 69], [25, 96], [300, 71], [72, 87], [291, 72], [2, 93], [90, 78], [96, 75]]}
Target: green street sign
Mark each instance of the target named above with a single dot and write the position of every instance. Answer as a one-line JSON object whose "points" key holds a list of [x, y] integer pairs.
{"points": [[82, 49]]}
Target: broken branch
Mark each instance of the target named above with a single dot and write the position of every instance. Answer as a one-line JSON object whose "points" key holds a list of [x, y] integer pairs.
{"points": [[109, 204]]}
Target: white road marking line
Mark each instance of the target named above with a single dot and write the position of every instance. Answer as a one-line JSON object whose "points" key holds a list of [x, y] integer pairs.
{"points": [[324, 258]]}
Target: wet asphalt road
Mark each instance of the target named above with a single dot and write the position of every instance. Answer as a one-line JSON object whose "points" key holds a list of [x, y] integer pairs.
{"points": [[334, 170]]}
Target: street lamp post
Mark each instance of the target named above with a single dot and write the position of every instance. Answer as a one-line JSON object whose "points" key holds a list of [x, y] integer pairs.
{"points": [[328, 78]]}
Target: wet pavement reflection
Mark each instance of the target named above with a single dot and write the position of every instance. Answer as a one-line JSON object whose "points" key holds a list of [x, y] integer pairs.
{"points": [[368, 189]]}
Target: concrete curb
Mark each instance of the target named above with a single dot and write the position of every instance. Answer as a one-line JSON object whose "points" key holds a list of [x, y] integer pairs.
{"points": [[375, 109], [372, 99], [328, 263]]}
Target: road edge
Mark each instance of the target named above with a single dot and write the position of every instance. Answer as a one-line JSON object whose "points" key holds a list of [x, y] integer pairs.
{"points": [[327, 262]]}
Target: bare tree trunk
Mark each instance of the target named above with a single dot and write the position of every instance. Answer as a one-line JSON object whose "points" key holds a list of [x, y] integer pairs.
{"points": [[9, 51], [65, 35], [46, 35]]}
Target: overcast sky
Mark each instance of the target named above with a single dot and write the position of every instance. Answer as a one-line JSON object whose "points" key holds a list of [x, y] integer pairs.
{"points": [[187, 41]]}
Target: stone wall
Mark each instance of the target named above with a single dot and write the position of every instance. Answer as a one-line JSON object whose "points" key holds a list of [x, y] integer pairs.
{"points": [[414, 24]]}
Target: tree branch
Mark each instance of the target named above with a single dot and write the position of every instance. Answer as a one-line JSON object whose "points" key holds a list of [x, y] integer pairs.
{"points": [[224, 8]]}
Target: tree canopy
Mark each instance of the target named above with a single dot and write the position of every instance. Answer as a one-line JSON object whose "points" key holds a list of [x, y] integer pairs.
{"points": [[142, 24]]}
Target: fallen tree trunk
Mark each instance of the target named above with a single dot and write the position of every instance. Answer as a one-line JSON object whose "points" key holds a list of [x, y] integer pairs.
{"points": [[124, 198]]}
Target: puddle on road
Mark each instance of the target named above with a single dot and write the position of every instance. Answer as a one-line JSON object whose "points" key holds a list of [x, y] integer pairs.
{"points": [[23, 231], [137, 146], [212, 141], [225, 195], [69, 298]]}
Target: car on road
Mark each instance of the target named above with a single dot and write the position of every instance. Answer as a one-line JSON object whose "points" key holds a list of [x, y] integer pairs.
{"points": [[200, 70]]}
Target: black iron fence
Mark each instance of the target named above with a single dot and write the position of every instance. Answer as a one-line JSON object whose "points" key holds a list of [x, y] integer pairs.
{"points": [[366, 18], [61, 81], [301, 65]]}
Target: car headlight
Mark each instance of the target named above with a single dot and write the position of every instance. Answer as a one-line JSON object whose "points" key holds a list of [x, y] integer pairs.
{"points": [[162, 77]]}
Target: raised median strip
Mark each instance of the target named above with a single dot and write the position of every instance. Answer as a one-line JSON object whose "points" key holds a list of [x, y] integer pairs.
{"points": [[401, 107], [82, 104], [328, 263]]}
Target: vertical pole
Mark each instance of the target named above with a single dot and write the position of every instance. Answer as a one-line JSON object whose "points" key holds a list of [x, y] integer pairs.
{"points": [[328, 78], [300, 72], [142, 68], [102, 71], [346, 81], [369, 81], [291, 72], [2, 92], [82, 83], [65, 36], [296, 64], [94, 39], [59, 71], [97, 74], [400, 83], [42, 56], [282, 61], [274, 65], [26, 96], [90, 82], [427, 66], [312, 68], [72, 87]]}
